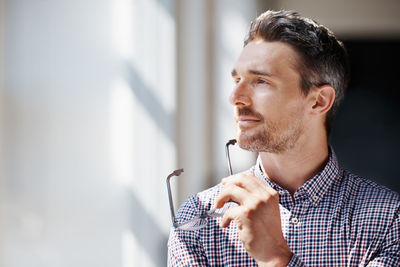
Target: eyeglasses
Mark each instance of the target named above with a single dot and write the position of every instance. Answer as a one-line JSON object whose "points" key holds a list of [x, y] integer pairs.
{"points": [[202, 220]]}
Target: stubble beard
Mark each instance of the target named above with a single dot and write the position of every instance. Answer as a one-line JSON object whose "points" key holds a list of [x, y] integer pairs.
{"points": [[271, 138]]}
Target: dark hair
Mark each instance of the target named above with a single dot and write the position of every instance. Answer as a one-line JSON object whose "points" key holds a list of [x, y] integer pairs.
{"points": [[323, 58]]}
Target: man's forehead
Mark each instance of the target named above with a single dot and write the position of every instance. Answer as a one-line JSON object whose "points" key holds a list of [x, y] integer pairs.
{"points": [[266, 58]]}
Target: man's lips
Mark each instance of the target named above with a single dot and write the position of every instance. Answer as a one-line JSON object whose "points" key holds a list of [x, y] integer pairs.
{"points": [[246, 120]]}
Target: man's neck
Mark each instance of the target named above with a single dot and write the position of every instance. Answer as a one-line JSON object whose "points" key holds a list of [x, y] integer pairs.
{"points": [[293, 168]]}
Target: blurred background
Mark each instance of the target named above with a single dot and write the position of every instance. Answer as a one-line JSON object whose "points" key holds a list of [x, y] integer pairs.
{"points": [[101, 99]]}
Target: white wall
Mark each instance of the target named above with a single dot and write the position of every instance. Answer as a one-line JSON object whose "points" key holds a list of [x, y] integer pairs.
{"points": [[2, 190], [89, 104], [195, 19]]}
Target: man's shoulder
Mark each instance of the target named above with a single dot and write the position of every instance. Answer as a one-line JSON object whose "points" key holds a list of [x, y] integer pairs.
{"points": [[203, 200], [369, 188], [369, 195], [209, 195]]}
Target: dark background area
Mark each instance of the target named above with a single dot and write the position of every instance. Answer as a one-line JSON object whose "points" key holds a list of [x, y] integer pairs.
{"points": [[366, 130]]}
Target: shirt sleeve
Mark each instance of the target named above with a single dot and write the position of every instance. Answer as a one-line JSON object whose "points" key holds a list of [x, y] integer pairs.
{"points": [[389, 254], [185, 247]]}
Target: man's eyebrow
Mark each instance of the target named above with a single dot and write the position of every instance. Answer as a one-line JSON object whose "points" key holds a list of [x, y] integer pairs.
{"points": [[260, 73], [253, 72]]}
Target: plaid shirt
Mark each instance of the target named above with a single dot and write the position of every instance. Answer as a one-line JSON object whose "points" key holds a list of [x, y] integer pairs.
{"points": [[334, 219]]}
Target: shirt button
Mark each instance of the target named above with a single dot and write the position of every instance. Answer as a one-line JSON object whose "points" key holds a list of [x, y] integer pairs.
{"points": [[315, 198], [281, 192], [295, 220]]}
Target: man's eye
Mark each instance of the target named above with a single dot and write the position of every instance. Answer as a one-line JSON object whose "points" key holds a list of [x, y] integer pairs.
{"points": [[236, 80], [262, 81]]}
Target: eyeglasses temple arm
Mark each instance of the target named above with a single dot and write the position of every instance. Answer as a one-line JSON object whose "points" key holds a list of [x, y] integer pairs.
{"points": [[228, 158], [171, 202]]}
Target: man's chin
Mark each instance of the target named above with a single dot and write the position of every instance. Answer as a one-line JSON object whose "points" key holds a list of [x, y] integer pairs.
{"points": [[250, 143], [255, 142]]}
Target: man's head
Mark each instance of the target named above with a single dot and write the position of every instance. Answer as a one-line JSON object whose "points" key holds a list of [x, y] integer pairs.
{"points": [[322, 58], [296, 56]]}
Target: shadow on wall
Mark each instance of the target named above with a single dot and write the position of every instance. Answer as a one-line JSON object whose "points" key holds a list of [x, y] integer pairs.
{"points": [[142, 224], [164, 119], [147, 232]]}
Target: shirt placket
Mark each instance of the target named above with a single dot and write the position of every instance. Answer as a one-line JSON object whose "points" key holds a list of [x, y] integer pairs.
{"points": [[297, 206], [287, 203]]}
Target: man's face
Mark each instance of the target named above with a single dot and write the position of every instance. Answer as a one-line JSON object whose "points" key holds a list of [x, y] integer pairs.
{"points": [[269, 104]]}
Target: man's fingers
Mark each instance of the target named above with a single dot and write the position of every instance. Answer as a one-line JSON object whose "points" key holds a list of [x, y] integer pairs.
{"points": [[249, 192], [232, 214], [248, 182], [231, 192]]}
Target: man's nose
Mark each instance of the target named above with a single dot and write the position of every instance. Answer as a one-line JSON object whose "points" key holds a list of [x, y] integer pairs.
{"points": [[240, 95]]}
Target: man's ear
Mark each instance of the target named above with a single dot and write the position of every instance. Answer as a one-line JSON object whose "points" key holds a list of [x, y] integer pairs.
{"points": [[322, 99]]}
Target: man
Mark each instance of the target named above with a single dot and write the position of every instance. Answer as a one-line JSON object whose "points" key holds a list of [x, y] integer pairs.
{"points": [[295, 207]]}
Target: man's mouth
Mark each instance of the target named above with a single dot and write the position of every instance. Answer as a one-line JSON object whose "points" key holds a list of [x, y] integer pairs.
{"points": [[246, 121], [245, 117]]}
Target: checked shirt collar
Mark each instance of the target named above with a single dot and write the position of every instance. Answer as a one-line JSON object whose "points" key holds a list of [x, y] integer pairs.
{"points": [[315, 188]]}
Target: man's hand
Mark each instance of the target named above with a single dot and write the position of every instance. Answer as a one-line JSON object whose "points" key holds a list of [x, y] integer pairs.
{"points": [[257, 217]]}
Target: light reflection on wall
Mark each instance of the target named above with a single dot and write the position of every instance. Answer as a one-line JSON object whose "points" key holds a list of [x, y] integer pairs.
{"points": [[122, 133], [142, 124]]}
